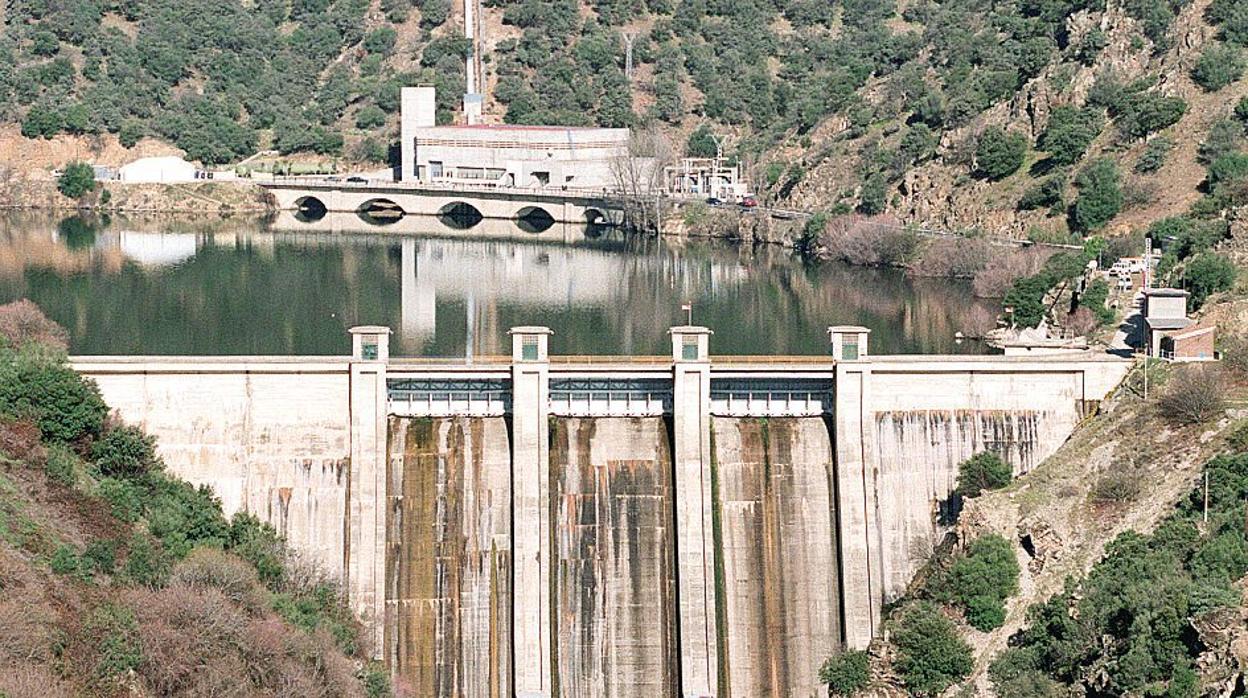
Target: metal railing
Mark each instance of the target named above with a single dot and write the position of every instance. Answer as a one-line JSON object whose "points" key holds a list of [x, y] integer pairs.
{"points": [[437, 403], [770, 404]]}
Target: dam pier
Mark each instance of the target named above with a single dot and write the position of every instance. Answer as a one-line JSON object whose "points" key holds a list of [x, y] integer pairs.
{"points": [[537, 525]]}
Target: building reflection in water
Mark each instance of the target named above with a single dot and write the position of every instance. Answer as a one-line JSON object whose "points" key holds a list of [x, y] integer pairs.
{"points": [[238, 287]]}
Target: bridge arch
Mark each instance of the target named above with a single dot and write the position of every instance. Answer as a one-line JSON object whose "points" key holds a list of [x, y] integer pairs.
{"points": [[534, 219], [309, 209], [380, 212], [460, 215]]}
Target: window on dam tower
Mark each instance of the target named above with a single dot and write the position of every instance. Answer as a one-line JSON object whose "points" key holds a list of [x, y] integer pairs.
{"points": [[689, 349]]}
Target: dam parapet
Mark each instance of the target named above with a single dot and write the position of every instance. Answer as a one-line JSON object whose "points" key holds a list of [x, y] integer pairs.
{"points": [[543, 525]]}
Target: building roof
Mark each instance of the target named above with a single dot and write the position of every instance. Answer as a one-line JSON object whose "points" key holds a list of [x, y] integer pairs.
{"points": [[1194, 330], [1166, 292], [1167, 323]]}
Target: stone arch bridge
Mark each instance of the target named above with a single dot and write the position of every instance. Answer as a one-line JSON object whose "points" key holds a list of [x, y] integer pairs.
{"points": [[467, 206]]}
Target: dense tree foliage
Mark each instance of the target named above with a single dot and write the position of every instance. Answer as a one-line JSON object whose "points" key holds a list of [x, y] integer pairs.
{"points": [[1000, 153], [847, 673], [208, 77], [77, 180], [982, 471], [980, 581], [1100, 196], [930, 655], [1125, 629]]}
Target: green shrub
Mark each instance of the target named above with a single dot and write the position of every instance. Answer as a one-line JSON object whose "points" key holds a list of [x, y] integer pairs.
{"points": [[980, 582], [77, 180], [1015, 673], [930, 655], [376, 680], [36, 384], [872, 198], [1094, 298], [1046, 194], [1219, 66], [1069, 133], [1148, 112], [125, 452], [146, 562], [62, 465], [100, 556], [64, 560], [258, 543], [701, 143], [125, 498], [319, 606], [1154, 155], [183, 516], [982, 471], [845, 674], [999, 154], [1206, 274], [1224, 137], [1100, 196], [115, 635], [370, 117]]}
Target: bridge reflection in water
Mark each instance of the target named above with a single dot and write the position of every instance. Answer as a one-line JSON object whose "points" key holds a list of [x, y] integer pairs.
{"points": [[242, 286]]}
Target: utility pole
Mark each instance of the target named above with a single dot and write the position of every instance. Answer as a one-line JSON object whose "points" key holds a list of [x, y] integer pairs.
{"points": [[628, 54]]}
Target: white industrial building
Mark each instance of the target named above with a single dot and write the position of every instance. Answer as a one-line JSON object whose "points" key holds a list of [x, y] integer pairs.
{"points": [[539, 157], [159, 169]]}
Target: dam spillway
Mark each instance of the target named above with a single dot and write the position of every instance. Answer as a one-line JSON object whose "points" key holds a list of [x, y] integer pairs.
{"points": [[531, 525]]}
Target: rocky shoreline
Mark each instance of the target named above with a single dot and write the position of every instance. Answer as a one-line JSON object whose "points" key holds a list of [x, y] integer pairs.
{"points": [[206, 197]]}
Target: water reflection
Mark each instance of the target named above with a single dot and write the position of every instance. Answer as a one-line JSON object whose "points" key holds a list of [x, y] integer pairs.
{"points": [[238, 286]]}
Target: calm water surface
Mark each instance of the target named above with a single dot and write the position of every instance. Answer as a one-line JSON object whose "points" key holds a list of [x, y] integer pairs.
{"points": [[245, 286]]}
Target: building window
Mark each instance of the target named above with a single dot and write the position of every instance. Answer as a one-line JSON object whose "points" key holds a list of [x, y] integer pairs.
{"points": [[528, 349], [689, 349], [435, 170], [368, 351], [849, 351]]}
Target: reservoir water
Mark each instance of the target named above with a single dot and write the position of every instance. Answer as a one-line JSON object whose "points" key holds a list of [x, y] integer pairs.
{"points": [[166, 285]]}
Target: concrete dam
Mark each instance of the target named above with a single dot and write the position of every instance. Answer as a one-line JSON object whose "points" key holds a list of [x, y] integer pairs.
{"points": [[537, 525]]}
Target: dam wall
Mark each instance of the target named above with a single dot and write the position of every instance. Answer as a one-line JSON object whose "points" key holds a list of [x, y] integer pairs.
{"points": [[544, 526], [776, 538], [615, 582], [448, 555]]}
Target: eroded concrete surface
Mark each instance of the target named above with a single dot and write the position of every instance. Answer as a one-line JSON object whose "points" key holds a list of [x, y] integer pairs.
{"points": [[777, 542], [615, 588], [448, 582]]}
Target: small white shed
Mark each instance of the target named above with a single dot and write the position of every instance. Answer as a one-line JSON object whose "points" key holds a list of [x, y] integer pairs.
{"points": [[161, 169]]}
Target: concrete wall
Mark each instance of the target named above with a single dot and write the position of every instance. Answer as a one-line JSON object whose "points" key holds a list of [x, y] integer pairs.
{"points": [[636, 555], [776, 535], [270, 437], [902, 426], [615, 583], [448, 543]]}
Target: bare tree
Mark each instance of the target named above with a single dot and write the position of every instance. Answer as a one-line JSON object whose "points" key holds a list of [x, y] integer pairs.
{"points": [[1194, 394], [638, 176]]}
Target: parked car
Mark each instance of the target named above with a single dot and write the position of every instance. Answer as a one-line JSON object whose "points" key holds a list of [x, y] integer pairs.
{"points": [[748, 202], [712, 201], [357, 180]]}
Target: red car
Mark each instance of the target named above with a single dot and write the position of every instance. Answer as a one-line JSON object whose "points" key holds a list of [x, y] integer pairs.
{"points": [[748, 202]]}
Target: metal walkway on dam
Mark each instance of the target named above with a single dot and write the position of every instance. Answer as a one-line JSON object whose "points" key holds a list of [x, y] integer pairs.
{"points": [[537, 525]]}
